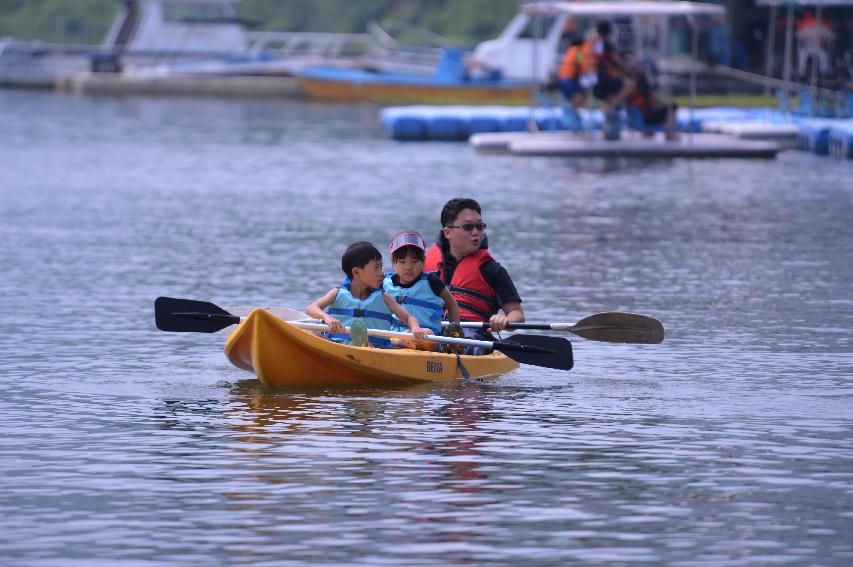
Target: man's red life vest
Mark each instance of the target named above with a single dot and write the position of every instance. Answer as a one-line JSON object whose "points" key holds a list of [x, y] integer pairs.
{"points": [[476, 298]]}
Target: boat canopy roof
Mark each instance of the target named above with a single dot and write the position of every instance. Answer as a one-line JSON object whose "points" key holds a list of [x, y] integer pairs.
{"points": [[805, 2], [199, 1], [638, 8]]}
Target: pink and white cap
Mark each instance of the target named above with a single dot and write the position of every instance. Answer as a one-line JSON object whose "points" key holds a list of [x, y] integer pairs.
{"points": [[407, 239]]}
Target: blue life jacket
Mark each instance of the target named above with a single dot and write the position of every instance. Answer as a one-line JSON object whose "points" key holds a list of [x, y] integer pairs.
{"points": [[419, 301], [373, 311]]}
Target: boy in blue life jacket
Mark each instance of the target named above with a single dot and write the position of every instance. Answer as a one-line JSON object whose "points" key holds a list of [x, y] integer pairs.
{"points": [[361, 296], [424, 295]]}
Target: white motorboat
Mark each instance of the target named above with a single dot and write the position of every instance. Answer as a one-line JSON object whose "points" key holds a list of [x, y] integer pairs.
{"points": [[163, 37], [528, 47]]}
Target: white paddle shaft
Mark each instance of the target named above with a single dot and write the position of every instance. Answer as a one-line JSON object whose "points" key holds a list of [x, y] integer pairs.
{"points": [[398, 335]]}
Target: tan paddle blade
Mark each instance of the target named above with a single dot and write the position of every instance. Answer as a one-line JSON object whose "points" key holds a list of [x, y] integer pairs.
{"points": [[620, 328]]}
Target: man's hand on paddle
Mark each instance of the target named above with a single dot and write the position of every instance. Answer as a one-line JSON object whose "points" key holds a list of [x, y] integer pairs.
{"points": [[512, 314], [498, 322]]}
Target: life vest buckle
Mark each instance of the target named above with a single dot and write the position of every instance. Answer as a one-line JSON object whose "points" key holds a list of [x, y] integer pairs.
{"points": [[358, 313]]}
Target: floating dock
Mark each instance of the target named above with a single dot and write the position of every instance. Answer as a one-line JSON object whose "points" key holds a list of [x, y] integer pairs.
{"points": [[728, 132], [566, 144], [827, 137], [457, 123], [841, 140], [785, 134]]}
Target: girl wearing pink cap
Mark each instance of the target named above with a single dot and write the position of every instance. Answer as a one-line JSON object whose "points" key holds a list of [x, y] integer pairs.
{"points": [[421, 294]]}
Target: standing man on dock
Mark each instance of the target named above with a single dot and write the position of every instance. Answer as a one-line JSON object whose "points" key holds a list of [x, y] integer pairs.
{"points": [[480, 285], [614, 84]]}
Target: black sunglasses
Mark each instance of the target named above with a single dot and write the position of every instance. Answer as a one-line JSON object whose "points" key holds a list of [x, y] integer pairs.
{"points": [[470, 226]]}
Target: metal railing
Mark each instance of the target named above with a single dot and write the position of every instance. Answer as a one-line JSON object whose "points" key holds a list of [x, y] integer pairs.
{"points": [[327, 45]]}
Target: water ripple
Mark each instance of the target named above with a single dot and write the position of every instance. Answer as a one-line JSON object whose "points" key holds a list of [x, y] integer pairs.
{"points": [[729, 444]]}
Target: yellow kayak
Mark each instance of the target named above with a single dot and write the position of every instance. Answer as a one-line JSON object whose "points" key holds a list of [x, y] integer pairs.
{"points": [[281, 354]]}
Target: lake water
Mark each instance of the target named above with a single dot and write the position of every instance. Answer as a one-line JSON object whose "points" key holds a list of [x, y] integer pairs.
{"points": [[729, 444]]}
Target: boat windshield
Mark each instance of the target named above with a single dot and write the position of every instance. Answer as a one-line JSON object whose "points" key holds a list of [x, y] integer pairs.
{"points": [[545, 24]]}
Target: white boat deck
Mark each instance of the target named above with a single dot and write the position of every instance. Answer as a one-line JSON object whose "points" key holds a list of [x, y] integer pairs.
{"points": [[563, 144]]}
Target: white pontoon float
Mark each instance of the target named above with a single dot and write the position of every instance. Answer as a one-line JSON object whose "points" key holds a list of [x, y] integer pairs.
{"points": [[561, 144], [512, 45]]}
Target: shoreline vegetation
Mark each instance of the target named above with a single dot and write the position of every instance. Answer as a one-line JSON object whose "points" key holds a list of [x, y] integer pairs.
{"points": [[87, 21]]}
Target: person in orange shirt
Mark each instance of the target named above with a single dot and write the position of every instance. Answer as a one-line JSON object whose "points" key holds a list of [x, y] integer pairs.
{"points": [[571, 73]]}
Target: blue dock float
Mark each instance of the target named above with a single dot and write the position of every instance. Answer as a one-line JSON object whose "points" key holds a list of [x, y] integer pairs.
{"points": [[458, 123], [814, 136], [841, 140]]}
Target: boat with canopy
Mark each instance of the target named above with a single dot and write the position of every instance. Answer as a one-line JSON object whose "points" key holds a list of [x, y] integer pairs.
{"points": [[513, 66], [540, 50]]}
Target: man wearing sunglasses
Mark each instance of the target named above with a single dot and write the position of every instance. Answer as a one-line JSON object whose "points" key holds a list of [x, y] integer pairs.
{"points": [[480, 285]]}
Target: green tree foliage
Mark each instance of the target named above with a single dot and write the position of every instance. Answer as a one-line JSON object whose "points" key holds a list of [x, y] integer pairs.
{"points": [[87, 21], [77, 21], [460, 21]]}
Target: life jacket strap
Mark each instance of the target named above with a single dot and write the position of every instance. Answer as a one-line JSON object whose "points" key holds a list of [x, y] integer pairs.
{"points": [[360, 313], [401, 299], [463, 306], [490, 301]]}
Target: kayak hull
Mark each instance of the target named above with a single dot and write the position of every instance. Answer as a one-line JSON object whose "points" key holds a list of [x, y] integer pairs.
{"points": [[281, 354]]}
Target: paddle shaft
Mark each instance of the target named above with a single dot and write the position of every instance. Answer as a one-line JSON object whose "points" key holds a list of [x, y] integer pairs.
{"points": [[612, 327], [538, 326], [513, 326], [433, 338]]}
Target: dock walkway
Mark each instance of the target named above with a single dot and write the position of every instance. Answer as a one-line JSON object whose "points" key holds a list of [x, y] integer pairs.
{"points": [[566, 144]]}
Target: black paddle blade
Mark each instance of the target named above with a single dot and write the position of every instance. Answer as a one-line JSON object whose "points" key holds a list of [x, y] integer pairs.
{"points": [[190, 316], [620, 328], [538, 350]]}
